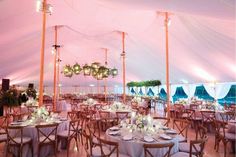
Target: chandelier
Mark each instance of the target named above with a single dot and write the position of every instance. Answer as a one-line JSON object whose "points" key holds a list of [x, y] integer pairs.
{"points": [[96, 70]]}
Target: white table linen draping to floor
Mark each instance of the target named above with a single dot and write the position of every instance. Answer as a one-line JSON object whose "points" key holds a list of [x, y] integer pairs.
{"points": [[31, 131]]}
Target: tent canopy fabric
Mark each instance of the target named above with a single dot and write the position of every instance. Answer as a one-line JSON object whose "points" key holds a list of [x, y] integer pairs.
{"points": [[201, 39]]}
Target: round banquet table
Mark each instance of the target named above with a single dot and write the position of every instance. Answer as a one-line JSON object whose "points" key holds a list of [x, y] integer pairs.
{"points": [[31, 131], [113, 111], [134, 147]]}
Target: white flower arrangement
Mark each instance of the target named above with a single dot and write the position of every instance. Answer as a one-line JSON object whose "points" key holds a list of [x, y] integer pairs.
{"points": [[182, 101], [31, 102], [90, 101], [40, 114], [137, 99], [117, 106]]}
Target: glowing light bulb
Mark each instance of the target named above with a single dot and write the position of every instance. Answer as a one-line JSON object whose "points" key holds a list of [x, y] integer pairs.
{"points": [[38, 5]]}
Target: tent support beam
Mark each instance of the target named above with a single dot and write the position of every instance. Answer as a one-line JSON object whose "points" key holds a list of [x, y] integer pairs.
{"points": [[167, 65], [55, 72], [41, 79], [105, 80], [123, 66]]}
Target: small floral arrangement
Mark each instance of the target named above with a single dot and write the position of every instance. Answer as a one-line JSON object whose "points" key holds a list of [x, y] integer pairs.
{"points": [[40, 113], [140, 121], [117, 106], [31, 102], [182, 101], [137, 99], [90, 101]]}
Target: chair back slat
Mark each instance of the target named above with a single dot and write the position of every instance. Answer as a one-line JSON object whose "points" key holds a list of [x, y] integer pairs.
{"points": [[148, 147], [47, 136], [182, 126], [12, 133]]}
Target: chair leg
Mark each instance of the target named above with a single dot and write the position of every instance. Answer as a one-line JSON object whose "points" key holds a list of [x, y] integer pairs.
{"points": [[225, 148], [38, 151], [77, 146], [68, 147], [32, 150], [55, 149]]}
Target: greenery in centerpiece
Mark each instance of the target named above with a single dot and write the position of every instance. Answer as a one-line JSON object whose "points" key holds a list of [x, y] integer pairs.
{"points": [[144, 83], [117, 106], [40, 114]]}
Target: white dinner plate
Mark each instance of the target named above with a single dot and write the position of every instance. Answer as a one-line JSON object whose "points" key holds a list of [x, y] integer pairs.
{"points": [[148, 139], [128, 137], [232, 121], [171, 132], [164, 136], [16, 123], [113, 133], [114, 128]]}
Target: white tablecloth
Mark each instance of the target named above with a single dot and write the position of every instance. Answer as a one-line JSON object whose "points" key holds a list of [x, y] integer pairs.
{"points": [[134, 148], [63, 106], [31, 131]]}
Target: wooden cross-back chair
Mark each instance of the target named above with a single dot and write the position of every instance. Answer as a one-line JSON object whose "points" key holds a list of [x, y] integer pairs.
{"points": [[227, 116], [195, 148], [106, 120], [70, 134], [196, 144], [3, 126], [121, 116], [113, 148], [72, 115], [208, 118], [147, 148], [46, 137], [165, 119], [16, 139], [182, 127], [222, 135]]}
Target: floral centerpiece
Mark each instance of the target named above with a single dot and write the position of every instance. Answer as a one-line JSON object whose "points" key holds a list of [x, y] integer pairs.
{"points": [[141, 122], [182, 101], [136, 99], [90, 101], [118, 106], [40, 114], [31, 102]]}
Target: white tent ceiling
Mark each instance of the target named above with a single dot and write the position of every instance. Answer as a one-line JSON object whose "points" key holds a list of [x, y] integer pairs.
{"points": [[201, 39]]}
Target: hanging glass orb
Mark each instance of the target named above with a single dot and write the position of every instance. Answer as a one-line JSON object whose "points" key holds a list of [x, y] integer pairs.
{"points": [[114, 72], [77, 69], [68, 71], [87, 70]]}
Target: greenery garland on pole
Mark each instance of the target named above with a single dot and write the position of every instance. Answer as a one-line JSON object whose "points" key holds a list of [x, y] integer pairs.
{"points": [[144, 83]]}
